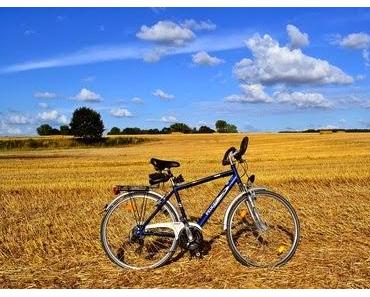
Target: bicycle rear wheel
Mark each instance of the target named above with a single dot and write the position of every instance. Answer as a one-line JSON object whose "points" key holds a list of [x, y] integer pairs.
{"points": [[271, 244], [118, 232]]}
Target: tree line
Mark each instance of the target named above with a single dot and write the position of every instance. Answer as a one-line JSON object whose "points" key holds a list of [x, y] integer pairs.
{"points": [[86, 123], [221, 127]]}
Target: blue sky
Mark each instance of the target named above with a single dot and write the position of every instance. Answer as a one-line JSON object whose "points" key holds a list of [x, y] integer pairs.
{"points": [[260, 69]]}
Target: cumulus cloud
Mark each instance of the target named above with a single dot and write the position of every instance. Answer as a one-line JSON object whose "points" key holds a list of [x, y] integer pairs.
{"points": [[87, 95], [166, 32], [44, 95], [252, 93], [17, 119], [273, 64], [54, 116], [168, 119], [120, 112], [355, 41], [303, 100], [199, 26], [203, 58], [298, 39], [162, 95], [137, 100]]}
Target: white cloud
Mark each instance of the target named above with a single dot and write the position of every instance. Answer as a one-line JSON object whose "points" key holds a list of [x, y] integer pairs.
{"points": [[166, 32], [99, 54], [365, 55], [43, 105], [203, 58], [13, 130], [87, 95], [252, 93], [137, 100], [54, 116], [152, 56], [120, 112], [162, 95], [17, 119], [29, 32], [355, 41], [89, 78], [199, 26], [44, 95], [298, 39], [273, 64], [168, 119], [303, 100]]}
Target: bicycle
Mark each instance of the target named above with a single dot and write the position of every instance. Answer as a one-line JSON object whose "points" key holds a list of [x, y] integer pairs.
{"points": [[142, 229]]}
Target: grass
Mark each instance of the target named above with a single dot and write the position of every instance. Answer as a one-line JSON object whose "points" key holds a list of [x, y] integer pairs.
{"points": [[57, 142], [51, 203]]}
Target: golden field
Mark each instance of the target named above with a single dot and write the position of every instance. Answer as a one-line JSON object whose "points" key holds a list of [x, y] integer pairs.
{"points": [[51, 203]]}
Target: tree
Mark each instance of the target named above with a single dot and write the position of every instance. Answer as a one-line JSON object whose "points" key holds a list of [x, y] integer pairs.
{"points": [[87, 123], [231, 128], [221, 126], [180, 127], [166, 130], [205, 129], [131, 131], [44, 129], [55, 131], [114, 131], [65, 130], [224, 127]]}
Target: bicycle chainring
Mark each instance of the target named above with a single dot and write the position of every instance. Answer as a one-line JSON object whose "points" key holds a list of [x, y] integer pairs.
{"points": [[195, 247]]}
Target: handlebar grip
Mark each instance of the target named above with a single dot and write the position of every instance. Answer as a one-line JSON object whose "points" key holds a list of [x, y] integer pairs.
{"points": [[243, 148]]}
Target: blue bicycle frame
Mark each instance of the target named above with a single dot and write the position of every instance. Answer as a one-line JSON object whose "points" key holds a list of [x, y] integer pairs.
{"points": [[235, 178]]}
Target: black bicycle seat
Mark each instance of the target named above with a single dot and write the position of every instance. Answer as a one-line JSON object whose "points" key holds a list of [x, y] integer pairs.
{"points": [[163, 164]]}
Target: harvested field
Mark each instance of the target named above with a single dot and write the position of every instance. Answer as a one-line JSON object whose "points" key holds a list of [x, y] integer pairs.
{"points": [[51, 203]]}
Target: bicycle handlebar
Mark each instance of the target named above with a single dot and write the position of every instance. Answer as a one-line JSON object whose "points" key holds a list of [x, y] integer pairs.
{"points": [[237, 154]]}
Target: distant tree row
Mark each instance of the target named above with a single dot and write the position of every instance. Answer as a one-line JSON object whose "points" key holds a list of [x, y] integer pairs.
{"points": [[177, 127], [46, 129], [86, 123]]}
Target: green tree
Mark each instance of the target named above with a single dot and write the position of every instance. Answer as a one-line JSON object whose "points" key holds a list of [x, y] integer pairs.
{"points": [[231, 128], [114, 131], [221, 126], [55, 131], [180, 127], [65, 130], [205, 129], [132, 131], [44, 129], [87, 123], [166, 130]]}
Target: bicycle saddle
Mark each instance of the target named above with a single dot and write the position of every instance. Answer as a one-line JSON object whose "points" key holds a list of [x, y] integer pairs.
{"points": [[163, 164]]}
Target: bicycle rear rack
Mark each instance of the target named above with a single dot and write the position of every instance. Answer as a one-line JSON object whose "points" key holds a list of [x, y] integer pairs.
{"points": [[117, 189]]}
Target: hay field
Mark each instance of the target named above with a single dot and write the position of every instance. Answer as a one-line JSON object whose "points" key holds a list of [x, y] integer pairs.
{"points": [[51, 203]]}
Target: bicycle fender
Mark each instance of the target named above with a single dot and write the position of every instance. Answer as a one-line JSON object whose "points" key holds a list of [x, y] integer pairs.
{"points": [[235, 199]]}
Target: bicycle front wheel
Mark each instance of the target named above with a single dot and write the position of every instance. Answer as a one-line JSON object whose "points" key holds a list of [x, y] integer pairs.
{"points": [[269, 242], [118, 227]]}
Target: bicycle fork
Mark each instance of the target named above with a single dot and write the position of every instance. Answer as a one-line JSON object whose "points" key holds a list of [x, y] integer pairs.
{"points": [[250, 202]]}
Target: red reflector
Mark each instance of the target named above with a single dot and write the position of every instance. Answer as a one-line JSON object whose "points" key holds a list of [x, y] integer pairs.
{"points": [[116, 190]]}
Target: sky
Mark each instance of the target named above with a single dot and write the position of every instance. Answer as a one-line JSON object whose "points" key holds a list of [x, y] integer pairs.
{"points": [[262, 69]]}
